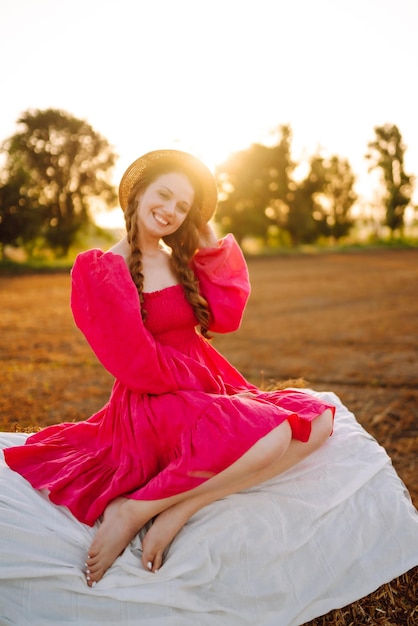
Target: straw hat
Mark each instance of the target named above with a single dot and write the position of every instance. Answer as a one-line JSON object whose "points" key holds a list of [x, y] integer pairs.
{"points": [[191, 164]]}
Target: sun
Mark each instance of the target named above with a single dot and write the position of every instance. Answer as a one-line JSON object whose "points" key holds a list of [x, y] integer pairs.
{"points": [[212, 146]]}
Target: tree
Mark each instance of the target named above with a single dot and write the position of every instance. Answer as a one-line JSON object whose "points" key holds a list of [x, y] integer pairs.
{"points": [[18, 224], [57, 164], [334, 197], [253, 185], [305, 214], [387, 152]]}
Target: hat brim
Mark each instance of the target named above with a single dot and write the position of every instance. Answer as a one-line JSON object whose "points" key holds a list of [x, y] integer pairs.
{"points": [[138, 169]]}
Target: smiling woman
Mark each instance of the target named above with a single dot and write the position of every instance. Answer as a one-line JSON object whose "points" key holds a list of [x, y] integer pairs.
{"points": [[183, 428]]}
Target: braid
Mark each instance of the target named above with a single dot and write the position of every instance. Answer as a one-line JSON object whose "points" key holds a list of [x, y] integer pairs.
{"points": [[135, 257], [183, 244], [191, 287]]}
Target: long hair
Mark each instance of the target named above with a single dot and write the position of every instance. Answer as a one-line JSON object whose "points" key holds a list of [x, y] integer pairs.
{"points": [[183, 243]]}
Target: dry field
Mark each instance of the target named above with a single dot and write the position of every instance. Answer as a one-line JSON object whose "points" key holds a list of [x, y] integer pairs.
{"points": [[343, 322]]}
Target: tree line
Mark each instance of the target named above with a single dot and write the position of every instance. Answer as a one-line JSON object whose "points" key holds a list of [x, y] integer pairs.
{"points": [[260, 195], [57, 166]]}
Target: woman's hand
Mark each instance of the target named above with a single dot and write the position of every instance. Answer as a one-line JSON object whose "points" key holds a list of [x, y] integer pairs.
{"points": [[207, 237]]}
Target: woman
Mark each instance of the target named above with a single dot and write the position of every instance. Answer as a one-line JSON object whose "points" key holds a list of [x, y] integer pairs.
{"points": [[182, 427]]}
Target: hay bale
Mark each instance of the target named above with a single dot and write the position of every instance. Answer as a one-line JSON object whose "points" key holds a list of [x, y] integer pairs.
{"points": [[393, 604]]}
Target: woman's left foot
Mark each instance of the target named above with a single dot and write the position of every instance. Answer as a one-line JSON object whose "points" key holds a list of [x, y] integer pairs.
{"points": [[162, 532]]}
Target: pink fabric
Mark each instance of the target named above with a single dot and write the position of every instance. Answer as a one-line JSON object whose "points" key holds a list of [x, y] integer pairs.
{"points": [[175, 415]]}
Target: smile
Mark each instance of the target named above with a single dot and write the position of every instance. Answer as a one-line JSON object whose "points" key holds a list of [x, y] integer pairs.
{"points": [[160, 220]]}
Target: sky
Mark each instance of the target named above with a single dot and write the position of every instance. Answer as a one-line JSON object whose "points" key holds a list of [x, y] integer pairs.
{"points": [[215, 76]]}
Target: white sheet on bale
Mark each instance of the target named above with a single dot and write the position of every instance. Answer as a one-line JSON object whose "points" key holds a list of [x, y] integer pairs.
{"points": [[322, 535]]}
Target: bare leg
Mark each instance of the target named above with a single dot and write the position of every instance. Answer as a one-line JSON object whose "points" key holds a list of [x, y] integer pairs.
{"points": [[124, 517], [171, 520]]}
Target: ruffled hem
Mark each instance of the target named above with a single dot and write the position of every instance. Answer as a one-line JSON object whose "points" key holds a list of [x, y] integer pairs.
{"points": [[86, 478], [79, 479]]}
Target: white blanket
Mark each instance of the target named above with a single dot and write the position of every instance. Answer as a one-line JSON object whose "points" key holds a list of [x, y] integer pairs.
{"points": [[322, 535]]}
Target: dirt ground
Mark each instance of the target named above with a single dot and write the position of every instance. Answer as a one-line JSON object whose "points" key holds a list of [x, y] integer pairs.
{"points": [[342, 322]]}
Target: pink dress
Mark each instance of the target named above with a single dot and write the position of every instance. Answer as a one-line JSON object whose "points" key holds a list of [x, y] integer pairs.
{"points": [[175, 416]]}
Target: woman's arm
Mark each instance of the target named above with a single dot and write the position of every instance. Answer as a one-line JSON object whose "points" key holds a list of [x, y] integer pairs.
{"points": [[106, 309], [223, 276]]}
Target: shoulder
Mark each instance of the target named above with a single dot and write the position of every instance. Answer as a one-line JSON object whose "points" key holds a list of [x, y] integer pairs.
{"points": [[121, 248], [112, 257], [97, 263]]}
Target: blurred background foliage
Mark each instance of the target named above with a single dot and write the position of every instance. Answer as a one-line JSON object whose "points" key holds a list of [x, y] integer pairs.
{"points": [[56, 167], [58, 171]]}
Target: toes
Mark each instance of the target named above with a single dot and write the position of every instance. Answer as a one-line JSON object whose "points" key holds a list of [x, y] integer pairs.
{"points": [[94, 567], [158, 561], [93, 570], [93, 577], [89, 580], [152, 563], [148, 562], [91, 559]]}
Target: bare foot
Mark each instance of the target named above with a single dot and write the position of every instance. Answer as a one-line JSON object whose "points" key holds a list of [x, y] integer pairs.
{"points": [[162, 532], [122, 519]]}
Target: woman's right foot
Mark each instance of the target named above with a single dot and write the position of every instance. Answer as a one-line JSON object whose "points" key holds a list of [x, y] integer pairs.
{"points": [[122, 520]]}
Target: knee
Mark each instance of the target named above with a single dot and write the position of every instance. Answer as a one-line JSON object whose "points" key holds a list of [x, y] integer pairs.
{"points": [[271, 447], [322, 428]]}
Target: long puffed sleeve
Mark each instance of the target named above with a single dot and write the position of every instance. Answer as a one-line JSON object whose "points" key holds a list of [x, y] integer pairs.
{"points": [[224, 282], [106, 308]]}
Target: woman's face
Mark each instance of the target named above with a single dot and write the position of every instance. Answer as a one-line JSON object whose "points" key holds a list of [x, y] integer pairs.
{"points": [[164, 205]]}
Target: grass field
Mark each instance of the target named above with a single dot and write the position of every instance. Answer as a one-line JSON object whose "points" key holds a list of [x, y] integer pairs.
{"points": [[343, 322]]}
